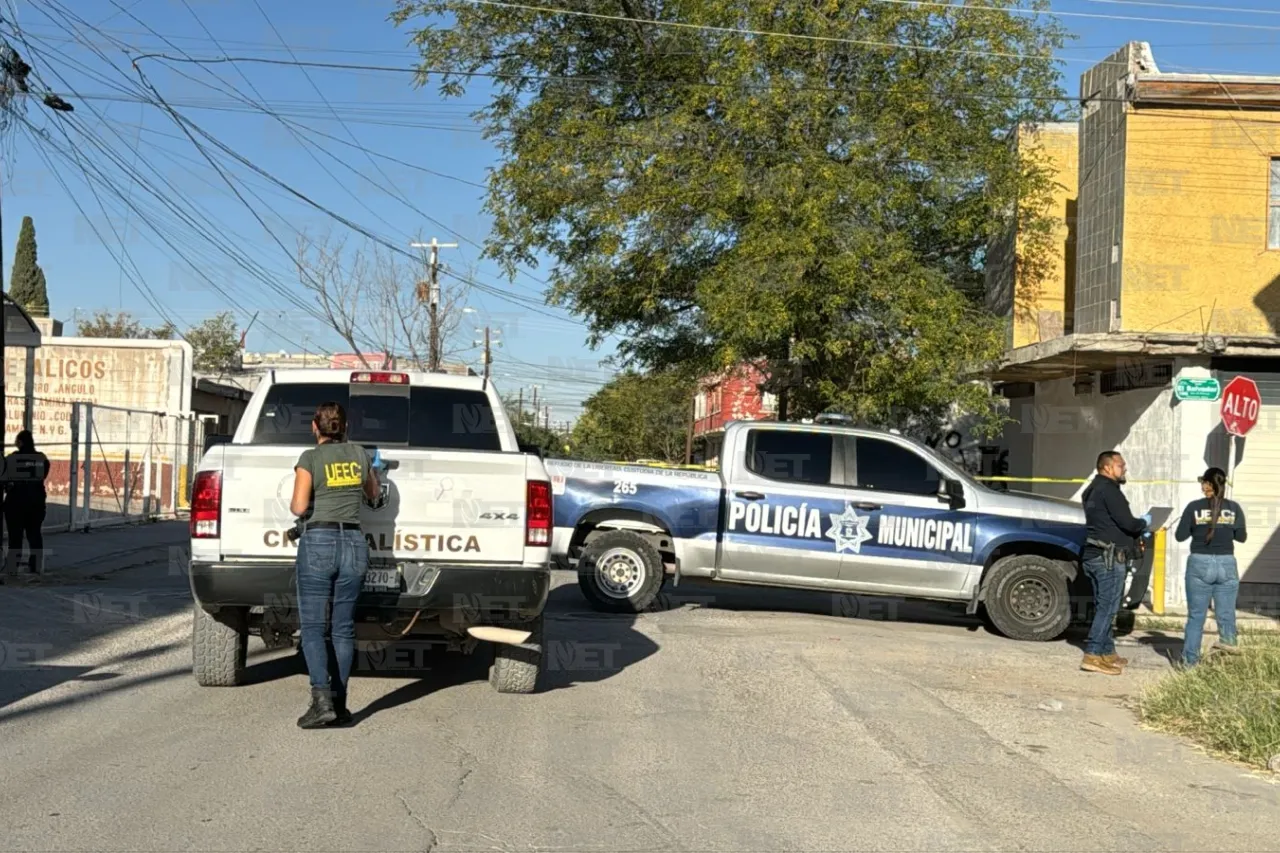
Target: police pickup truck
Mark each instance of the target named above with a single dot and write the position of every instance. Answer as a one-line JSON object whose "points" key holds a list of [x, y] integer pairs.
{"points": [[823, 507], [458, 538]]}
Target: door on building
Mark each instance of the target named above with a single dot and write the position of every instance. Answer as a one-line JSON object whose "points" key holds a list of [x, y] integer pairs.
{"points": [[780, 506], [1254, 487], [920, 543]]}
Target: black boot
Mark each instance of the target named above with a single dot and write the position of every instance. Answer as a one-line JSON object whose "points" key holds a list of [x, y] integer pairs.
{"points": [[342, 714], [320, 713]]}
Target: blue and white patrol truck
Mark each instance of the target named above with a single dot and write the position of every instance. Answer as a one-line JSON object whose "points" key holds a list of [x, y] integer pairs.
{"points": [[823, 507]]}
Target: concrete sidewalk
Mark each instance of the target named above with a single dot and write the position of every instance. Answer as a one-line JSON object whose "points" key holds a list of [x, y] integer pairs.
{"points": [[89, 555]]}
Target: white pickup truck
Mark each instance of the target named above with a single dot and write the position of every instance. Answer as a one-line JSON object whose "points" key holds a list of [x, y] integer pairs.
{"points": [[459, 539]]}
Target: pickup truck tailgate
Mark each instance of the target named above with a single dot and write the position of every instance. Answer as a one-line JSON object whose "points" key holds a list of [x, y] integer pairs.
{"points": [[449, 506]]}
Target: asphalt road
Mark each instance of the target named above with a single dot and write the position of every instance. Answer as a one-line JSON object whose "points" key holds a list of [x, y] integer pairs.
{"points": [[760, 722]]}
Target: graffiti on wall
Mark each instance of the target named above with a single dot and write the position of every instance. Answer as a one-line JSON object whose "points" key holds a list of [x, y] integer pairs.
{"points": [[978, 458]]}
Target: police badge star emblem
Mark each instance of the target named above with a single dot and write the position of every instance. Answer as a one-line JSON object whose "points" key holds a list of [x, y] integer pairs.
{"points": [[848, 530]]}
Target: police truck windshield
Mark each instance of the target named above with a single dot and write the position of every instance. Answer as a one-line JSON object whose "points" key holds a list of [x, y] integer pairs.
{"points": [[435, 418]]}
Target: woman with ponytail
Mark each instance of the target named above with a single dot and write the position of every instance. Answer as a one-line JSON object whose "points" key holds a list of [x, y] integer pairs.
{"points": [[331, 480], [1213, 524]]}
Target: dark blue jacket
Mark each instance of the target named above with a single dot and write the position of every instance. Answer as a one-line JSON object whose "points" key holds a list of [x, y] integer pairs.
{"points": [[1107, 515]]}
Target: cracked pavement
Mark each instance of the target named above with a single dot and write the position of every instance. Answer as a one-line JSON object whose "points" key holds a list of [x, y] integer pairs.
{"points": [[763, 720]]}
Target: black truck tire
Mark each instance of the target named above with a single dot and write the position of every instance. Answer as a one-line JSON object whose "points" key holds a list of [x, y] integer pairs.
{"points": [[219, 646], [1026, 598], [516, 669], [612, 555]]}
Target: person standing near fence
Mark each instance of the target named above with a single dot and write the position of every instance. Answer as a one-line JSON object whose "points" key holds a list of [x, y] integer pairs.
{"points": [[330, 481], [25, 498], [1213, 524]]}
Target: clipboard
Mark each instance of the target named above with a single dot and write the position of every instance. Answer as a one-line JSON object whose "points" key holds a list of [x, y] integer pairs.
{"points": [[1141, 579]]}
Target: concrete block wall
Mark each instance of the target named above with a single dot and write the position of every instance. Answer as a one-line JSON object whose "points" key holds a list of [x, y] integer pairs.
{"points": [[1071, 430]]}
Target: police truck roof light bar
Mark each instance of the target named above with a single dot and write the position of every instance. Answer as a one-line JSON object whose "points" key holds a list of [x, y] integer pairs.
{"points": [[206, 505], [537, 514], [379, 378]]}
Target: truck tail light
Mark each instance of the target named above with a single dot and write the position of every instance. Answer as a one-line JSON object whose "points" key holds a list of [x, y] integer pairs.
{"points": [[366, 377], [537, 514], [206, 505]]}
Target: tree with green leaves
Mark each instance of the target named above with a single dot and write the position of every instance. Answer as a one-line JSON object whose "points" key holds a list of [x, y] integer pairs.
{"points": [[26, 283], [806, 185], [636, 416], [216, 343], [531, 432], [104, 324]]}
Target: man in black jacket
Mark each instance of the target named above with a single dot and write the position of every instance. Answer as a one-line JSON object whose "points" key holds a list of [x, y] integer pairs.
{"points": [[1113, 538]]}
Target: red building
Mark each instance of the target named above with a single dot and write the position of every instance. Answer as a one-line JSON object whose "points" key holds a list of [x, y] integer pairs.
{"points": [[731, 396]]}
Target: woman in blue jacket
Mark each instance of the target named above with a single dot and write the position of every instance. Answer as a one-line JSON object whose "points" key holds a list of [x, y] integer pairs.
{"points": [[1213, 524]]}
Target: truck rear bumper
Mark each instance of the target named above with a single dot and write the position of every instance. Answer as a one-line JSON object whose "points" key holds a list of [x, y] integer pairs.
{"points": [[480, 593]]}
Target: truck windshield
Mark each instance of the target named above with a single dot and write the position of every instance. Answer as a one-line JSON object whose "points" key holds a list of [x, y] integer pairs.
{"points": [[436, 418]]}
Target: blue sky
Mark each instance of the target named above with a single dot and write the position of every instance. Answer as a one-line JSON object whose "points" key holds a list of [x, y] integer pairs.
{"points": [[333, 111]]}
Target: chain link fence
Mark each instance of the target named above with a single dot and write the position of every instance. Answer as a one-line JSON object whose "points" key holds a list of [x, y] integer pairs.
{"points": [[109, 465]]}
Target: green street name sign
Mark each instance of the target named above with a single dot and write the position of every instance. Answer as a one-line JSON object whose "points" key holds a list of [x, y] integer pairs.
{"points": [[1208, 390]]}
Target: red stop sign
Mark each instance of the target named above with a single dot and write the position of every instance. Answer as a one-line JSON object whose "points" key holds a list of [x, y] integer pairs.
{"points": [[1241, 405]]}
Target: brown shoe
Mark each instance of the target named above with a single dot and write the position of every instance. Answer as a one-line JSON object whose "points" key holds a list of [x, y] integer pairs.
{"points": [[1115, 660], [1095, 663]]}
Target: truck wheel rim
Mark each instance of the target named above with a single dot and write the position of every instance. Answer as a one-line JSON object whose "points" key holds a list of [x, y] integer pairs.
{"points": [[619, 573], [1031, 599]]}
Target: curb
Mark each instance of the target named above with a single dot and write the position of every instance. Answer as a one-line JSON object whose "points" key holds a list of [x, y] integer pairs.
{"points": [[1177, 622]]}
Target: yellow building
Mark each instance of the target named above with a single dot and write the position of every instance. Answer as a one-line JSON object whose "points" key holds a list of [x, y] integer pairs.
{"points": [[1167, 207], [1163, 265]]}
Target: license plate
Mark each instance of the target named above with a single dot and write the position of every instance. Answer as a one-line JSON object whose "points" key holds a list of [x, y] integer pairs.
{"points": [[382, 580]]}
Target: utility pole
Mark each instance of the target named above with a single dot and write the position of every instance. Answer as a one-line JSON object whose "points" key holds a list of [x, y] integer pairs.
{"points": [[546, 417], [520, 406], [488, 344], [688, 436], [429, 291], [535, 404]]}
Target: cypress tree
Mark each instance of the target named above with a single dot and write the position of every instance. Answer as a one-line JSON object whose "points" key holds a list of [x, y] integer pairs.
{"points": [[26, 283]]}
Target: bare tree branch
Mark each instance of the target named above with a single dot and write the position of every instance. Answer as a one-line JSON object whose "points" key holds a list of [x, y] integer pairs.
{"points": [[370, 296]]}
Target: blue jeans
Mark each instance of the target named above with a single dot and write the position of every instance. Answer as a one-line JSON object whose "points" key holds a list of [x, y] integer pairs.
{"points": [[331, 568], [1210, 577], [1108, 589]]}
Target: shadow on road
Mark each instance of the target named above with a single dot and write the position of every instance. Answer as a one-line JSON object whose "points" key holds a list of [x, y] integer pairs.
{"points": [[578, 648], [27, 679], [718, 595], [44, 623]]}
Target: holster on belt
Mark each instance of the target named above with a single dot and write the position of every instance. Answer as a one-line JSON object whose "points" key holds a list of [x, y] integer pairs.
{"points": [[1108, 550]]}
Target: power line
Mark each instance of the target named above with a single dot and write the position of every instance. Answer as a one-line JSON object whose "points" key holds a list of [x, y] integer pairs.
{"points": [[598, 80], [156, 99], [264, 47], [165, 199], [1189, 7], [1014, 10], [742, 31]]}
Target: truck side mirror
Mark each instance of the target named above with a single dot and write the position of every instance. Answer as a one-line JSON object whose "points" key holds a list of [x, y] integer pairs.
{"points": [[952, 492]]}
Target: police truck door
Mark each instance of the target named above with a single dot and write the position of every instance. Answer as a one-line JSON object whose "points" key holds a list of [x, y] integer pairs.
{"points": [[780, 501], [920, 543]]}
